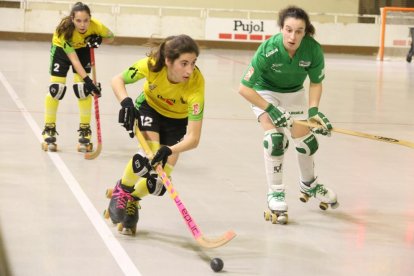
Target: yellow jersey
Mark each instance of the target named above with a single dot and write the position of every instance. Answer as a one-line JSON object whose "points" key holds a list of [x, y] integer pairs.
{"points": [[173, 100]]}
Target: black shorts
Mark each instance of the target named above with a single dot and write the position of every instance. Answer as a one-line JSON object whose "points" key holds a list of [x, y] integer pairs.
{"points": [[171, 130], [60, 63]]}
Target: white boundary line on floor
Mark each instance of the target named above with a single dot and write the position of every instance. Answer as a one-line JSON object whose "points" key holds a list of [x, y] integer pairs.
{"points": [[117, 251]]}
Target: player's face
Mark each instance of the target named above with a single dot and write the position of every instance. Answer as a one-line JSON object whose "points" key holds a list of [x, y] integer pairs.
{"points": [[181, 69], [81, 20], [293, 32]]}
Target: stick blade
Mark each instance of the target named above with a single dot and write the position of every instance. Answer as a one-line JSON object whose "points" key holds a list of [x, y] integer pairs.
{"points": [[94, 154], [216, 242]]}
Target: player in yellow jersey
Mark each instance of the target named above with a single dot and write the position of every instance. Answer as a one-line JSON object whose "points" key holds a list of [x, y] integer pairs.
{"points": [[71, 41], [169, 111]]}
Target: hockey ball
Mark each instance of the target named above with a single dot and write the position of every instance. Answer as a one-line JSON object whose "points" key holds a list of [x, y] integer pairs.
{"points": [[216, 264]]}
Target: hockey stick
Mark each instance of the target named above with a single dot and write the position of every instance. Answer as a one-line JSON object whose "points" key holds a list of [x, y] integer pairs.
{"points": [[361, 134], [94, 154], [192, 226]]}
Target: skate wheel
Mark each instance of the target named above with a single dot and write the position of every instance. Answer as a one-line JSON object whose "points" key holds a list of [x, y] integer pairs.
{"points": [[274, 218], [89, 147], [335, 205], [323, 205], [106, 214], [266, 215], [282, 218], [108, 193], [304, 197], [49, 147]]}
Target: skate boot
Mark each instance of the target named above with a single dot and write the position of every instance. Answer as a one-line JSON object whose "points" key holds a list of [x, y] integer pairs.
{"points": [[128, 226], [49, 137], [409, 57], [277, 212], [85, 133], [119, 196], [326, 196]]}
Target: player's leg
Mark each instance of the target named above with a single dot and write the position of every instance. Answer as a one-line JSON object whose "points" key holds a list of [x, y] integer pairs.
{"points": [[59, 67], [411, 51], [306, 147], [84, 103]]}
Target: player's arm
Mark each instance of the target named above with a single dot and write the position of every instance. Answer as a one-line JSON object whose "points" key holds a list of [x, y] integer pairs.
{"points": [[191, 139], [252, 96], [315, 93], [73, 57]]}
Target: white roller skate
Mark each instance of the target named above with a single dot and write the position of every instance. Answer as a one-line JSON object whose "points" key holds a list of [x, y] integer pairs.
{"points": [[49, 137], [85, 133], [277, 212], [326, 196]]}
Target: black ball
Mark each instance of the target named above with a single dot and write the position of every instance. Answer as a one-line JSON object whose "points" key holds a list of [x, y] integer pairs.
{"points": [[216, 264]]}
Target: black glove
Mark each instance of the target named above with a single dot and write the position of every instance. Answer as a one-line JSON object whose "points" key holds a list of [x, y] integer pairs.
{"points": [[128, 114], [93, 41], [161, 156], [90, 87]]}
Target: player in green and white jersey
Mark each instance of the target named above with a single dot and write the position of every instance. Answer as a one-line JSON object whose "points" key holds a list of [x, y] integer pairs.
{"points": [[273, 84]]}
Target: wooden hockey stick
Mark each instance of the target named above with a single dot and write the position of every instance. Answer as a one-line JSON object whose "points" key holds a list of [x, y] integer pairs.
{"points": [[94, 154], [192, 226], [361, 134]]}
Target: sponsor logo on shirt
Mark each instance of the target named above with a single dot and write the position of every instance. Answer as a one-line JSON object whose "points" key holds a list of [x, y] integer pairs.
{"points": [[152, 86], [275, 50], [304, 63], [249, 73], [134, 71], [275, 67], [168, 101]]}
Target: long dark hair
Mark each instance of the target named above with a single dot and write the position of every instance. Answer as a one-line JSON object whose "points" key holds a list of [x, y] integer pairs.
{"points": [[298, 13], [66, 25], [172, 47]]}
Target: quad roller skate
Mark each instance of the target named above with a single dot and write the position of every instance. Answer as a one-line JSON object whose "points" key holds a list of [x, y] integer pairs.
{"points": [[85, 133], [326, 196], [49, 137], [122, 209], [277, 212]]}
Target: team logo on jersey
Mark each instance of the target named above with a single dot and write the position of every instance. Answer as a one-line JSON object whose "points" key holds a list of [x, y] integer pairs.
{"points": [[152, 86], [304, 63], [196, 109], [249, 73]]}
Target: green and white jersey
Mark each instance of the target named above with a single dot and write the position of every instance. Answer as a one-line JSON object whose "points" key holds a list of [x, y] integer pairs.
{"points": [[273, 69]]}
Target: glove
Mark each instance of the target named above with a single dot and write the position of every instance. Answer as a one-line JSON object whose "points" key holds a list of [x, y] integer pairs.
{"points": [[314, 116], [128, 114], [93, 41], [90, 87], [279, 116], [161, 156]]}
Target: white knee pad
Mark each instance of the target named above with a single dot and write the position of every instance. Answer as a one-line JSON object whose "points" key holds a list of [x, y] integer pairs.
{"points": [[57, 90], [275, 143], [307, 144]]}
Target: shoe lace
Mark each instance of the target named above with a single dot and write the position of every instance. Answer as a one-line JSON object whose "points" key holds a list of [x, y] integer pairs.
{"points": [[50, 130], [280, 196], [318, 189], [132, 206], [84, 130], [122, 198]]}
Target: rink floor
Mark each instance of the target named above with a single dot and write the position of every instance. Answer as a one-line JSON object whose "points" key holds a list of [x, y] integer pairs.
{"points": [[51, 204]]}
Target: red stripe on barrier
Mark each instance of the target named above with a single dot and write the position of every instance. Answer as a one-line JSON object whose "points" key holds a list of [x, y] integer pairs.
{"points": [[225, 36]]}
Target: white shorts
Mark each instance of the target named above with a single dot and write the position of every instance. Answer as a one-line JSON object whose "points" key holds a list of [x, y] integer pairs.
{"points": [[294, 103]]}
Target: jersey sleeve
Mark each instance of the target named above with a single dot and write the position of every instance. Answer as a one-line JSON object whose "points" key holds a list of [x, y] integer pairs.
{"points": [[136, 72], [196, 101], [253, 71], [317, 68], [102, 30]]}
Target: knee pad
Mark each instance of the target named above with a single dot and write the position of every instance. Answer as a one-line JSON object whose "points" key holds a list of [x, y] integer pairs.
{"points": [[275, 143], [140, 165], [57, 90], [80, 91], [307, 144], [155, 186]]}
